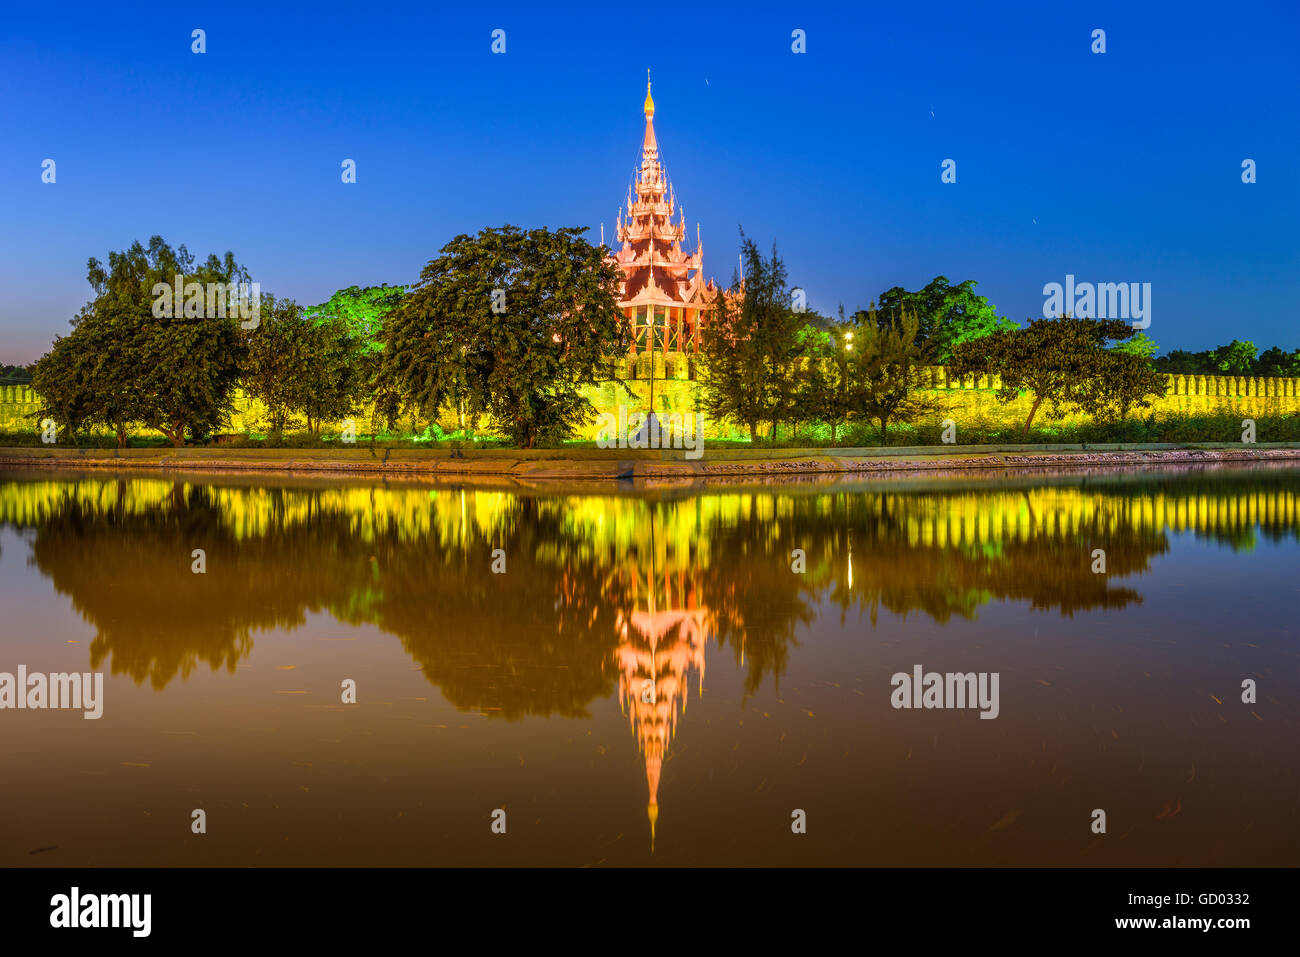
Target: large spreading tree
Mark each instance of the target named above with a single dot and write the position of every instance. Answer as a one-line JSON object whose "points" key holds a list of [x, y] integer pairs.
{"points": [[126, 361], [1064, 363], [511, 323]]}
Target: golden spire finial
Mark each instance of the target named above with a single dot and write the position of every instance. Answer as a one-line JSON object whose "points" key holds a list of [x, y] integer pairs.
{"points": [[649, 101]]}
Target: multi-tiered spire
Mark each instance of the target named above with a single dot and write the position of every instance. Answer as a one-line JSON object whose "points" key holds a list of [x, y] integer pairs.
{"points": [[663, 287]]}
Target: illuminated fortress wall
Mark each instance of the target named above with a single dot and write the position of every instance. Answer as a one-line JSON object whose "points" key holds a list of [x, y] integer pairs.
{"points": [[675, 391], [968, 402]]}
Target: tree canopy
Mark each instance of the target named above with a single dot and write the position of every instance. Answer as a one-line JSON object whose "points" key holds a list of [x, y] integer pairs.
{"points": [[751, 345], [127, 361], [1063, 362], [510, 323], [361, 311], [946, 315]]}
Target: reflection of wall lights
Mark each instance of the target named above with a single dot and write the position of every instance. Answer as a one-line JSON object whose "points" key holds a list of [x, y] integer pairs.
{"points": [[850, 568]]}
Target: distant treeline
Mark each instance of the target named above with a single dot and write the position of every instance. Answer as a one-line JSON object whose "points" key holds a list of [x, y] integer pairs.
{"points": [[1236, 358], [15, 375]]}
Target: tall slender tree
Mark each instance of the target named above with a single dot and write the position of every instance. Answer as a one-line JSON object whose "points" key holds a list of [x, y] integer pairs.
{"points": [[751, 345], [887, 366]]}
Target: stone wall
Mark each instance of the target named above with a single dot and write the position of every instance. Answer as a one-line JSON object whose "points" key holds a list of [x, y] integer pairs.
{"points": [[18, 406], [971, 400], [1185, 394], [677, 391]]}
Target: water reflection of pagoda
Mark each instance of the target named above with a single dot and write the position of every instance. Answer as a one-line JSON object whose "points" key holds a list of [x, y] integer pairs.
{"points": [[657, 650]]}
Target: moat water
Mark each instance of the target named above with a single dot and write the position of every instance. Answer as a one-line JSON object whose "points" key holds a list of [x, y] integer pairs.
{"points": [[646, 676]]}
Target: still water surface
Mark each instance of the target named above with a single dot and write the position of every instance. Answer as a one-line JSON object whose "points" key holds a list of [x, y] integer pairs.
{"points": [[649, 681]]}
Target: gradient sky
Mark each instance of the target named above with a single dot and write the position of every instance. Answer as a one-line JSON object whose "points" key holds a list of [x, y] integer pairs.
{"points": [[1122, 167]]}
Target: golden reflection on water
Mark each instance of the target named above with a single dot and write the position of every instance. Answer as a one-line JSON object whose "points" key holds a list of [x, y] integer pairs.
{"points": [[604, 595]]}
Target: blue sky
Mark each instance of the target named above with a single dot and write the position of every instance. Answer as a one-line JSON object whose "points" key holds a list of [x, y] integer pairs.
{"points": [[1120, 167]]}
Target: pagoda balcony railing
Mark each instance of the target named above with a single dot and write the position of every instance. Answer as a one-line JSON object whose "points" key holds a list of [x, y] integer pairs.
{"points": [[676, 336]]}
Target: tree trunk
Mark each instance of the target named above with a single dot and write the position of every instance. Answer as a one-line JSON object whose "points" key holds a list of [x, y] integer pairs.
{"points": [[121, 435], [1032, 410]]}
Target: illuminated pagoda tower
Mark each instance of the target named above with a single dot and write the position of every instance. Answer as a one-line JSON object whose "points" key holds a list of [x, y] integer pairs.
{"points": [[664, 294]]}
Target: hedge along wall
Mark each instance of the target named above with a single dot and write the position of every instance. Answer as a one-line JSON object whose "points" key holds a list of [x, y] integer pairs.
{"points": [[676, 391]]}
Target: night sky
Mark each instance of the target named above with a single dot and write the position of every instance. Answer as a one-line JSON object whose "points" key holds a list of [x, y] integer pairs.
{"points": [[1117, 167]]}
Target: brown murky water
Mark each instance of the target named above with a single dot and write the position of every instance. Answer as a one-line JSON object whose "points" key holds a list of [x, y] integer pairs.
{"points": [[649, 681]]}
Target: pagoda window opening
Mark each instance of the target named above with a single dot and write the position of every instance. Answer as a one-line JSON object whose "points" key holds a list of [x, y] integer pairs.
{"points": [[640, 330], [659, 329]]}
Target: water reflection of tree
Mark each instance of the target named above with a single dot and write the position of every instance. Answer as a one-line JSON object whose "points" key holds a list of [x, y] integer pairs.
{"points": [[129, 575], [535, 640], [541, 638]]}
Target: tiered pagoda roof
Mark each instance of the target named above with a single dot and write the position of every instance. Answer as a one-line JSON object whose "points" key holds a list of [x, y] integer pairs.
{"points": [[656, 269]]}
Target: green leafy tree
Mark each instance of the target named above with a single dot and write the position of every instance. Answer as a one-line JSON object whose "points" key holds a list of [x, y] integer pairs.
{"points": [[299, 364], [886, 370], [751, 346], [127, 361], [336, 374], [1236, 358], [1122, 382], [731, 370], [184, 366], [1062, 362], [558, 329], [1182, 362], [277, 357], [61, 377], [825, 386], [362, 312], [1277, 362], [802, 395], [1139, 345], [947, 315]]}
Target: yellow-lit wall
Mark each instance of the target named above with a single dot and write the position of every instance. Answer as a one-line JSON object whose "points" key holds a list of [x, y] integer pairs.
{"points": [[675, 391]]}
